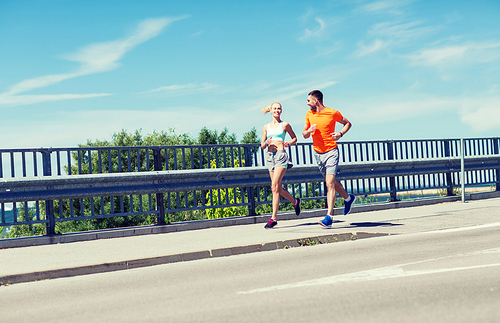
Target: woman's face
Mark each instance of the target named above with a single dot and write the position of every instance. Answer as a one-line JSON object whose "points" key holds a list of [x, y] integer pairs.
{"points": [[276, 109]]}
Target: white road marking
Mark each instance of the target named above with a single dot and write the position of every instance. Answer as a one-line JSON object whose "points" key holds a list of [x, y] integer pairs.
{"points": [[476, 227], [364, 276], [379, 273]]}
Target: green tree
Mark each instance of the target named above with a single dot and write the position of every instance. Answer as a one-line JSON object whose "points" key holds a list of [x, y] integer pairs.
{"points": [[212, 137], [251, 137], [139, 160]]}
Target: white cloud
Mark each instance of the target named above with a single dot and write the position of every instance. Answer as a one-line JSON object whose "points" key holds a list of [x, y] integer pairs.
{"points": [[317, 32], [182, 89], [94, 58], [386, 6], [450, 55], [400, 110], [301, 89], [374, 47], [102, 57], [389, 34], [481, 114], [306, 16], [198, 33], [327, 50], [438, 56], [30, 99], [401, 31]]}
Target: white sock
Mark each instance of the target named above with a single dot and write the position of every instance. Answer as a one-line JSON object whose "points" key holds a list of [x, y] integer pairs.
{"points": [[348, 199]]}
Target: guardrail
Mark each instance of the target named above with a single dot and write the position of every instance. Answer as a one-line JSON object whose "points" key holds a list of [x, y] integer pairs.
{"points": [[137, 193]]}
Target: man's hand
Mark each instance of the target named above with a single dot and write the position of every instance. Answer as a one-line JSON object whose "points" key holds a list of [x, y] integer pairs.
{"points": [[307, 132], [336, 135], [312, 128]]}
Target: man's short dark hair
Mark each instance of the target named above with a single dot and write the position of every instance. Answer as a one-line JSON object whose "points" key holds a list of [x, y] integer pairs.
{"points": [[317, 94]]}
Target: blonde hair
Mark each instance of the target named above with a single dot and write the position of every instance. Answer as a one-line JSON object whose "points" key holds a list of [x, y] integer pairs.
{"points": [[268, 108]]}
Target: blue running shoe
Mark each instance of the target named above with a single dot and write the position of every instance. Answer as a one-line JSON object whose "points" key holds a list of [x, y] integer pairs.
{"points": [[348, 205], [326, 222]]}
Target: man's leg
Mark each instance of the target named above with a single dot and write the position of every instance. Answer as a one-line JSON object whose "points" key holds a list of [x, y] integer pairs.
{"points": [[340, 189], [349, 199], [327, 164], [330, 200]]}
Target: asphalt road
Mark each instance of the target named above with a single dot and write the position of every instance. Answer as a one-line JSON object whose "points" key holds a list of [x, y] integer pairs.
{"points": [[440, 276]]}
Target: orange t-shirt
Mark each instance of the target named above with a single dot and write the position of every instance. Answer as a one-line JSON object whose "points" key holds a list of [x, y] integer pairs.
{"points": [[325, 125]]}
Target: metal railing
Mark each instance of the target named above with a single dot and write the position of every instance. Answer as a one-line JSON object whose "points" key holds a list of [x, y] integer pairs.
{"points": [[93, 160], [85, 183]]}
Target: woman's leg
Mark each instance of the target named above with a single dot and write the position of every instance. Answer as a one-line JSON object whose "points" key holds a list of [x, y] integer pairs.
{"points": [[286, 194], [277, 189]]}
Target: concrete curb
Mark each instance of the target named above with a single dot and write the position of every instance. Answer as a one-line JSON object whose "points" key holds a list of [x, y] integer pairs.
{"points": [[189, 256], [242, 220]]}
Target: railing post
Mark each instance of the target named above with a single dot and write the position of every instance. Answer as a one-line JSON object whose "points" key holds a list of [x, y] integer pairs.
{"points": [[462, 168], [160, 217], [49, 204], [250, 190], [449, 180], [392, 180], [496, 146]]}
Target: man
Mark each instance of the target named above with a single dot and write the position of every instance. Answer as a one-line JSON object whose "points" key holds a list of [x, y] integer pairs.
{"points": [[320, 122]]}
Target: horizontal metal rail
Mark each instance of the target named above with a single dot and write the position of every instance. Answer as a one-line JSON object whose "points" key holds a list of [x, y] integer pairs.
{"points": [[83, 186]]}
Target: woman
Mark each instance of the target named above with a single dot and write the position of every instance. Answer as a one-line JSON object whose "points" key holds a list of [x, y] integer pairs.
{"points": [[273, 137]]}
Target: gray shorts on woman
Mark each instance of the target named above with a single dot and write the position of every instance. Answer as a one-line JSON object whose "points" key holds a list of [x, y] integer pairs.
{"points": [[328, 162], [278, 159]]}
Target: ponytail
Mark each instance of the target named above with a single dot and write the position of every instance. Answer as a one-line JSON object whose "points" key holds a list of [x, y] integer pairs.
{"points": [[266, 109]]}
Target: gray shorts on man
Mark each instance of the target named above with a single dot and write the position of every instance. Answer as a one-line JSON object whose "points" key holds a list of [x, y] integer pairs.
{"points": [[328, 162]]}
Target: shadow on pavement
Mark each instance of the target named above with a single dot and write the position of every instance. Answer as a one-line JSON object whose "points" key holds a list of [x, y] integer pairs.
{"points": [[374, 224], [349, 225]]}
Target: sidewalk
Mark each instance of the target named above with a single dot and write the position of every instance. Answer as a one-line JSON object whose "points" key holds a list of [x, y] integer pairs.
{"points": [[48, 261]]}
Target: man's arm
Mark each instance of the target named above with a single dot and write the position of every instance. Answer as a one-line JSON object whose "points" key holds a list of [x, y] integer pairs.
{"points": [[347, 125], [308, 130]]}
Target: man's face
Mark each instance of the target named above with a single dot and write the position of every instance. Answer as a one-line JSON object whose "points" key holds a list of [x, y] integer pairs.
{"points": [[312, 102]]}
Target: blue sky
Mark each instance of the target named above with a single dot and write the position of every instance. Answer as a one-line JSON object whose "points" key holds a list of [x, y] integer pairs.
{"points": [[78, 70]]}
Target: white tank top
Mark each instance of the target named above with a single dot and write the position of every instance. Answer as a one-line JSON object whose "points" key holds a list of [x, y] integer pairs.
{"points": [[276, 134]]}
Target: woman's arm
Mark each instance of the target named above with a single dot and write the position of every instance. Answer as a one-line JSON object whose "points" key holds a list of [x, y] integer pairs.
{"points": [[263, 143]]}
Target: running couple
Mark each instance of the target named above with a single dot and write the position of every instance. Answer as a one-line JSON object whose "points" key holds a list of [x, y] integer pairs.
{"points": [[320, 123]]}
